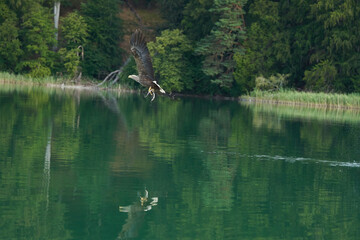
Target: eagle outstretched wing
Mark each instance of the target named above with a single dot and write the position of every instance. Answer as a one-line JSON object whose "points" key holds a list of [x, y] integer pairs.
{"points": [[142, 57]]}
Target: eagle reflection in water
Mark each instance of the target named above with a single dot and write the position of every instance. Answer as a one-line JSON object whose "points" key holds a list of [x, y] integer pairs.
{"points": [[136, 213]]}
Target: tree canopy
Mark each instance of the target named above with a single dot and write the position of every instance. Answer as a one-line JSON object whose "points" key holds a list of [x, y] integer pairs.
{"points": [[204, 47]]}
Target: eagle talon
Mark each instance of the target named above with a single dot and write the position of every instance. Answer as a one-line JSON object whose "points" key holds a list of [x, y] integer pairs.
{"points": [[150, 91]]}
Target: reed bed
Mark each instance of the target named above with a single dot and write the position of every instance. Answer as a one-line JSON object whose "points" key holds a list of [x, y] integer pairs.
{"points": [[14, 82], [338, 115], [291, 97], [21, 79], [56, 81]]}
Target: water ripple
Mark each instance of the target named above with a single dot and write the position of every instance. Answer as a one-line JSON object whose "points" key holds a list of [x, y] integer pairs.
{"points": [[290, 159]]}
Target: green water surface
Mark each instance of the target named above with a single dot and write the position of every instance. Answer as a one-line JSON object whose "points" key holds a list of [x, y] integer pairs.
{"points": [[73, 165]]}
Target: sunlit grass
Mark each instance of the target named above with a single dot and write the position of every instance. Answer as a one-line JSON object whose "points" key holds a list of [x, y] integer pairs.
{"points": [[302, 112], [16, 78], [25, 79], [13, 81], [292, 97]]}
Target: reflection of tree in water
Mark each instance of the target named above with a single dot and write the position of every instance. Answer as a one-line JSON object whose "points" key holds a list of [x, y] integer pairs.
{"points": [[220, 169], [215, 128], [217, 188], [47, 163], [136, 213], [100, 152], [25, 138], [272, 123], [111, 103]]}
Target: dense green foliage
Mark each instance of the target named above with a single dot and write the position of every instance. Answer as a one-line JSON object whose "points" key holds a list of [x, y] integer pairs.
{"points": [[28, 44], [315, 43], [224, 40], [198, 20], [302, 44], [172, 60], [273, 83], [9, 41], [102, 53], [37, 34], [210, 46], [75, 31]]}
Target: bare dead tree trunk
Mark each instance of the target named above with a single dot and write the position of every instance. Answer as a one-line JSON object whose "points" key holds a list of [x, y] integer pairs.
{"points": [[114, 76], [56, 21], [79, 70]]}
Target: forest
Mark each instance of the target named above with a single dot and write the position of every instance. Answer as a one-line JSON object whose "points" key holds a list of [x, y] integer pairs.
{"points": [[215, 47]]}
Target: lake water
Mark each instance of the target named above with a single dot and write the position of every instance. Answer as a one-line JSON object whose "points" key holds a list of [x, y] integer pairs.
{"points": [[78, 165]]}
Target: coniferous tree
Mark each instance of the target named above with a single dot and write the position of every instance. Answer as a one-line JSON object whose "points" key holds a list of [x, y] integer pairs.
{"points": [[172, 10], [263, 34], [9, 39], [198, 20], [316, 43], [74, 33], [37, 36], [102, 51], [336, 59], [225, 39]]}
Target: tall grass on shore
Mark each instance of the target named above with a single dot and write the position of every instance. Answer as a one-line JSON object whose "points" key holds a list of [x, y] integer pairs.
{"points": [[15, 78], [291, 97], [339, 115], [64, 83]]}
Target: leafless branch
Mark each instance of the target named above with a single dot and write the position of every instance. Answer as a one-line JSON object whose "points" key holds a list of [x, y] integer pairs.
{"points": [[114, 76]]}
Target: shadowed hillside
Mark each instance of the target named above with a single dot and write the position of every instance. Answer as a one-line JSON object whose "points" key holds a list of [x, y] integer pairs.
{"points": [[151, 20]]}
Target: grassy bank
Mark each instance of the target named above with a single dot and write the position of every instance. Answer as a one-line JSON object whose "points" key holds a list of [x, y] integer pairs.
{"points": [[288, 97], [85, 83], [23, 79], [291, 97], [338, 115]]}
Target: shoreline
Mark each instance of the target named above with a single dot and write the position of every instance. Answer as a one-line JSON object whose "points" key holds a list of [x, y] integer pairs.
{"points": [[241, 99], [253, 100], [80, 87]]}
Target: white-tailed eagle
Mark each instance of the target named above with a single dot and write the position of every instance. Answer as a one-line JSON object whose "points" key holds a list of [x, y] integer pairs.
{"points": [[144, 65]]}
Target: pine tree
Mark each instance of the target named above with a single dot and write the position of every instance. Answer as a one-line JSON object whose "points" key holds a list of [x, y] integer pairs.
{"points": [[198, 20], [336, 58], [9, 39], [37, 36], [172, 10], [74, 33], [280, 38], [102, 52], [225, 39], [261, 45]]}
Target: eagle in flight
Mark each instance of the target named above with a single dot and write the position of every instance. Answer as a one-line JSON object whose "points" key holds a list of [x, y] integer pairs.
{"points": [[144, 65]]}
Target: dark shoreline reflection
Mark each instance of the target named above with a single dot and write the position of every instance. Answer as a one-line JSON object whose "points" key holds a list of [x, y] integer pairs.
{"points": [[220, 170]]}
